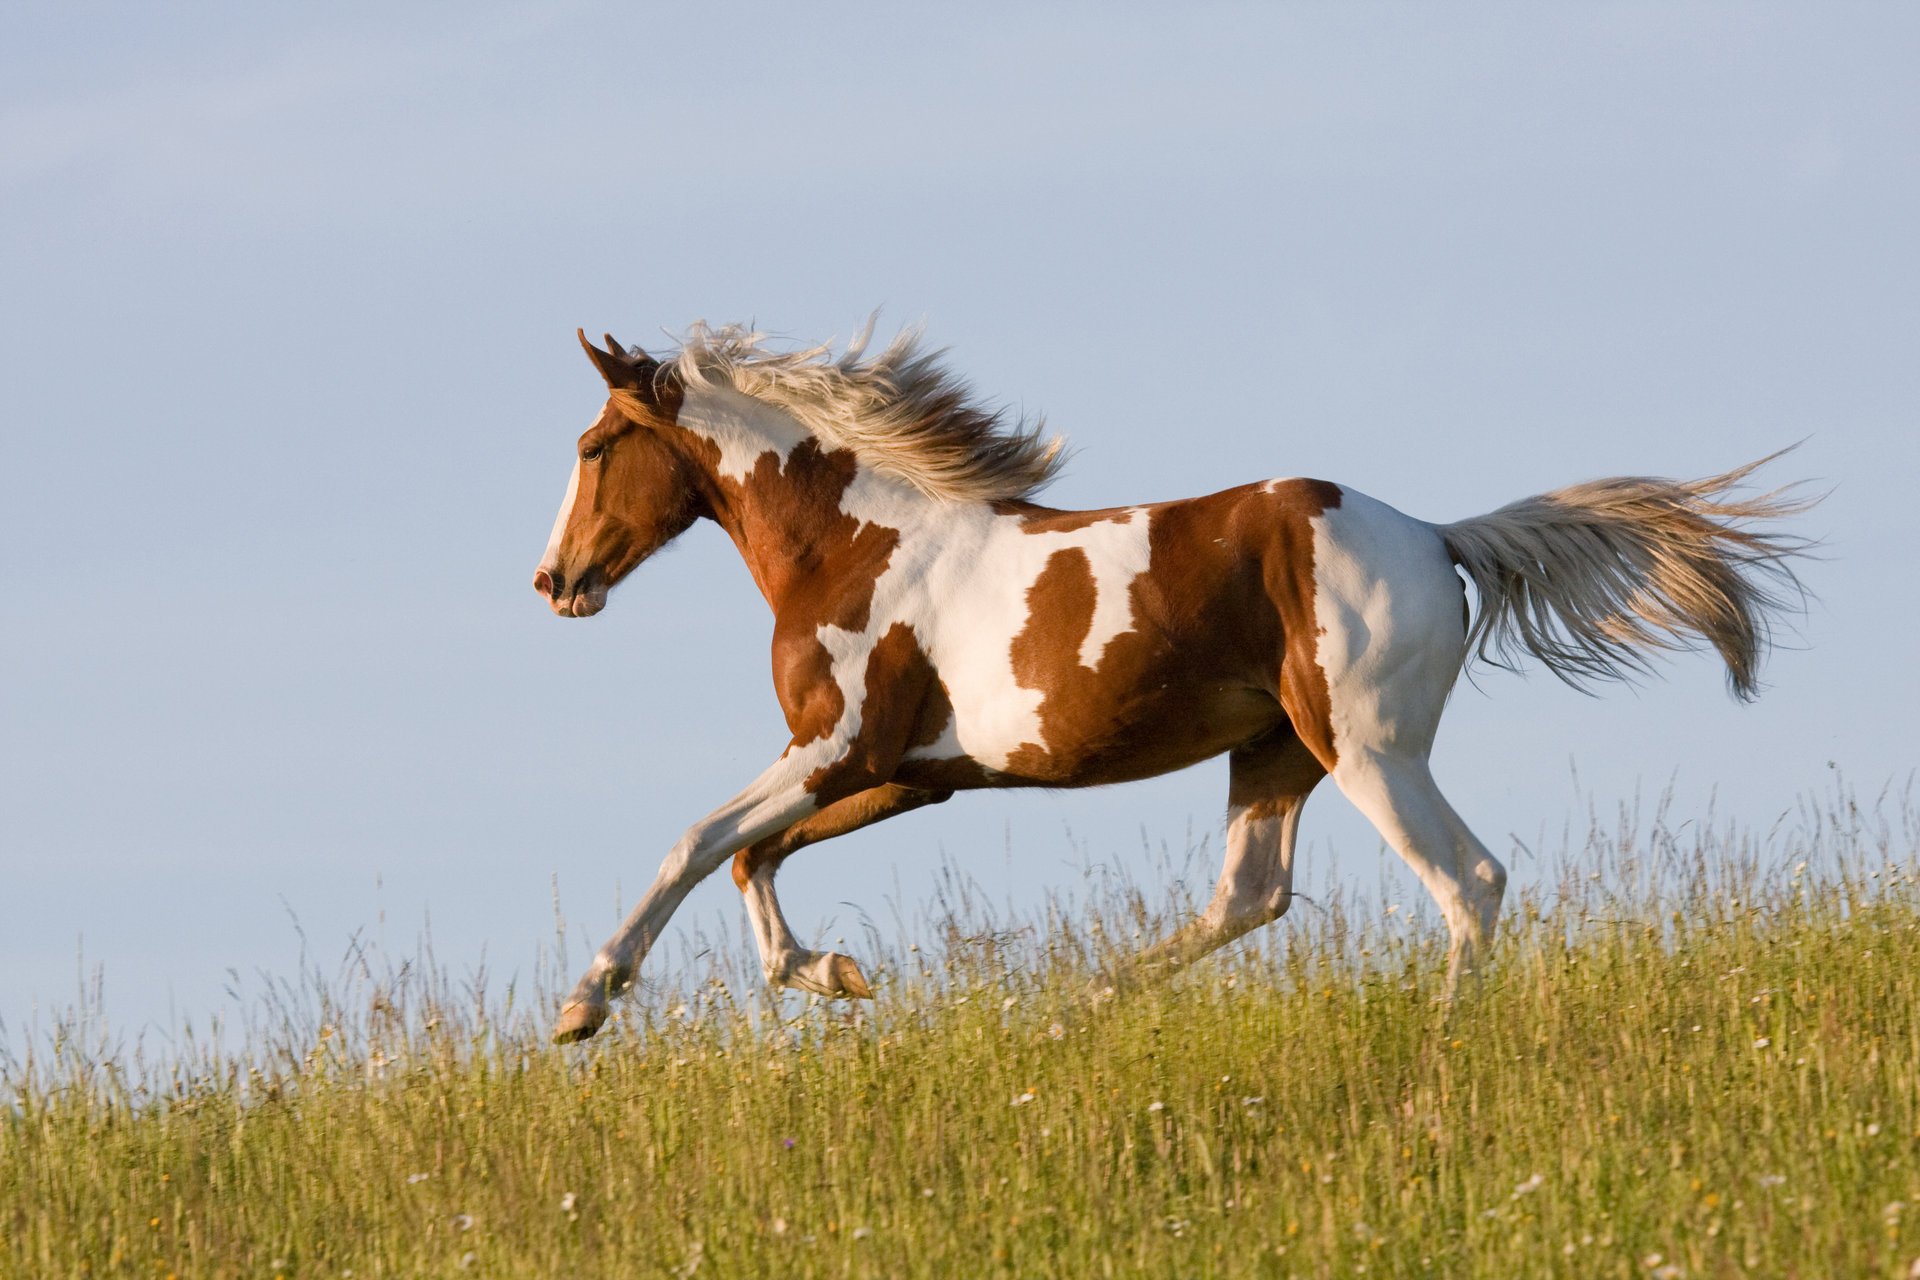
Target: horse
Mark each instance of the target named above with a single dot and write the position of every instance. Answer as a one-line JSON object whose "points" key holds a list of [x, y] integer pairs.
{"points": [[935, 629]]}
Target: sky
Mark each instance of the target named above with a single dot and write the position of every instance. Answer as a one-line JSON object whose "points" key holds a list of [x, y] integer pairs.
{"points": [[287, 301]]}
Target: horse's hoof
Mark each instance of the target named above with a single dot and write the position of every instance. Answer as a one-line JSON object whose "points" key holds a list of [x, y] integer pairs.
{"points": [[847, 976], [578, 1022]]}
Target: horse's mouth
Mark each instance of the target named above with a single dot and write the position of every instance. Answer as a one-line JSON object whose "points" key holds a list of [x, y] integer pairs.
{"points": [[582, 604]]}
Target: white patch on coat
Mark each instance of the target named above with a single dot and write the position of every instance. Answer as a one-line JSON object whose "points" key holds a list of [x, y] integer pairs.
{"points": [[959, 576], [742, 427], [972, 588], [1122, 557], [560, 521], [1392, 628]]}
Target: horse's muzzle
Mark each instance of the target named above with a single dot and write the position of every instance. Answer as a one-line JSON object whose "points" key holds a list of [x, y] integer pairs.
{"points": [[581, 599]]}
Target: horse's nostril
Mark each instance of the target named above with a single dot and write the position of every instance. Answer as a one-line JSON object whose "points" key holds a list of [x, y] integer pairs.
{"points": [[545, 583]]}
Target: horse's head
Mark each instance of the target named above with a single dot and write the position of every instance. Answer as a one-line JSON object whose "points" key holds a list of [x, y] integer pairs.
{"points": [[633, 489]]}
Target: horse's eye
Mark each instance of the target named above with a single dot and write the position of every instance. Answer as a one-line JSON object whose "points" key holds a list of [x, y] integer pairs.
{"points": [[592, 454]]}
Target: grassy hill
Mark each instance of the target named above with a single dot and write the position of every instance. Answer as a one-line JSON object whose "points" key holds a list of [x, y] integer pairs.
{"points": [[1698, 1054]]}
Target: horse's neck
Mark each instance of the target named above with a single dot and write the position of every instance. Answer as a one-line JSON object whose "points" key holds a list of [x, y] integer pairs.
{"points": [[801, 516]]}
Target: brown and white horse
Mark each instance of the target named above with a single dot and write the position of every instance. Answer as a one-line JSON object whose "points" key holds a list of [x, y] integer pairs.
{"points": [[935, 630]]}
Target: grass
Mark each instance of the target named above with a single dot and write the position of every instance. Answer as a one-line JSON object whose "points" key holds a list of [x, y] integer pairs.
{"points": [[1698, 1054]]}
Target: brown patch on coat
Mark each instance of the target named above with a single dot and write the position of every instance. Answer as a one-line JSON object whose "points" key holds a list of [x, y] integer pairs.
{"points": [[1303, 682], [953, 773], [1059, 617], [1035, 518], [895, 684], [837, 819], [816, 565], [1272, 775], [1221, 651], [936, 713]]}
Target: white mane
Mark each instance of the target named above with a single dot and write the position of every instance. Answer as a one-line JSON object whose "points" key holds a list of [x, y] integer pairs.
{"points": [[901, 411]]}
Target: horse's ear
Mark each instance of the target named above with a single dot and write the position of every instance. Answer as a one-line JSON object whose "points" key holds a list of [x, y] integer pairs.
{"points": [[622, 372], [633, 355]]}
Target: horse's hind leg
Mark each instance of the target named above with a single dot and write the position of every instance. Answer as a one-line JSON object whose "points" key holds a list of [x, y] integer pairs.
{"points": [[1392, 632], [1268, 783], [1401, 799], [785, 962]]}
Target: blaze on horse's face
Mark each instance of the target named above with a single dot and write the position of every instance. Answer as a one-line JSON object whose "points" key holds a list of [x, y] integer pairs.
{"points": [[631, 493]]}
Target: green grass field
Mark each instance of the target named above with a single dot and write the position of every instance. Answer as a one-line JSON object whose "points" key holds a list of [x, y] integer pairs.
{"points": [[1693, 1056]]}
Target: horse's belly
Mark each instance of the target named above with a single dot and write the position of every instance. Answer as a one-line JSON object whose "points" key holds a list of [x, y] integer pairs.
{"points": [[1088, 742], [1144, 736]]}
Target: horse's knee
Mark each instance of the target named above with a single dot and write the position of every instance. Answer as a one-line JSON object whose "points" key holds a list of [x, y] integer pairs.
{"points": [[1491, 876]]}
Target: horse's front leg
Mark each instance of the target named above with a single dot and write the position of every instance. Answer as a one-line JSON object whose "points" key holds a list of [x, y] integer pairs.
{"points": [[789, 791], [785, 962]]}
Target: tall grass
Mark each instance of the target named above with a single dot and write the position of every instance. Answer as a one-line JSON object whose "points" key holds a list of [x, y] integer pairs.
{"points": [[1697, 1053]]}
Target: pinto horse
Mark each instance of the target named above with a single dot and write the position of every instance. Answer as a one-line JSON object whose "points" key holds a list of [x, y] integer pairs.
{"points": [[936, 630]]}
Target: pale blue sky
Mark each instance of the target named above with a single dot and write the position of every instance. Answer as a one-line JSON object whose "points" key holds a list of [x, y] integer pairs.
{"points": [[290, 389]]}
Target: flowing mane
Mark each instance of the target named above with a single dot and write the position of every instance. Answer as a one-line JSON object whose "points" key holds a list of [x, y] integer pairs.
{"points": [[901, 411]]}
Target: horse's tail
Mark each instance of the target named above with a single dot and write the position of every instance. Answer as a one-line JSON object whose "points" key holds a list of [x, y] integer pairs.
{"points": [[1593, 578]]}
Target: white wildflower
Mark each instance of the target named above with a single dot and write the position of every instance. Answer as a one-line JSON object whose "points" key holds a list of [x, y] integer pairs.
{"points": [[413, 1178], [463, 1222], [1530, 1186], [862, 1233], [1762, 1042], [568, 1201], [1156, 1105]]}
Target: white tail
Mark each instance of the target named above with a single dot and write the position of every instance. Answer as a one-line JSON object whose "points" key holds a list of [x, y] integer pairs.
{"points": [[1592, 578]]}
